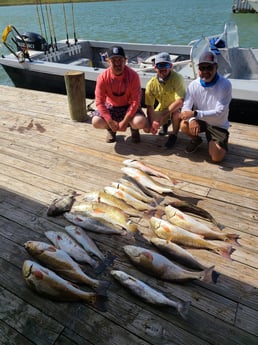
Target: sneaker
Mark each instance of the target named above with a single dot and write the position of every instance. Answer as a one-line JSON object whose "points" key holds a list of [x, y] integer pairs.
{"points": [[135, 135], [111, 136], [193, 145], [164, 129], [171, 141]]}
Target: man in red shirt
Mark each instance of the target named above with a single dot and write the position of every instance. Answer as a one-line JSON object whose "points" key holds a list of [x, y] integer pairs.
{"points": [[118, 98]]}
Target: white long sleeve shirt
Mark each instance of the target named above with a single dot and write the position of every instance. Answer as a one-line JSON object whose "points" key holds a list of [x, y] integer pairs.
{"points": [[211, 103]]}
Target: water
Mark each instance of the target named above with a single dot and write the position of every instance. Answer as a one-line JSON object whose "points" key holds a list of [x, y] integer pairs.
{"points": [[142, 21]]}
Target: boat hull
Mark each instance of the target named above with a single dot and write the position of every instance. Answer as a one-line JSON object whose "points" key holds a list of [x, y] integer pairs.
{"points": [[241, 110]]}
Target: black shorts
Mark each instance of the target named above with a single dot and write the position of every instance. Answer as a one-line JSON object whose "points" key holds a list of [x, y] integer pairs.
{"points": [[118, 113], [217, 134]]}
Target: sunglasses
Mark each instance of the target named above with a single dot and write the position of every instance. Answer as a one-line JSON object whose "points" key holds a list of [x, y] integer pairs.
{"points": [[163, 65], [208, 68]]}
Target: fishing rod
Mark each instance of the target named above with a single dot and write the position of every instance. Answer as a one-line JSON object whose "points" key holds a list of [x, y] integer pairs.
{"points": [[67, 37], [49, 28], [43, 20], [53, 27], [74, 32]]}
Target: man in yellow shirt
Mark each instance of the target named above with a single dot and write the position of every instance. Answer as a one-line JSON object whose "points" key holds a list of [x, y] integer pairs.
{"points": [[167, 89]]}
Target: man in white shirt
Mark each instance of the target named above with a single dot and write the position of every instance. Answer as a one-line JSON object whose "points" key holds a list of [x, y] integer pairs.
{"points": [[206, 108]]}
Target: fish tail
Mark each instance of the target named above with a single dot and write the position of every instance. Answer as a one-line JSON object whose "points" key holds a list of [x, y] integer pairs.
{"points": [[132, 227], [233, 238], [101, 288], [98, 302], [214, 276], [104, 264], [207, 276], [225, 251], [183, 308]]}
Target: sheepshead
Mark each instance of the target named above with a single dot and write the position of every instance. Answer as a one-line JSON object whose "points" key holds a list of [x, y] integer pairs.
{"points": [[191, 208], [170, 232], [161, 267], [147, 181], [102, 196], [132, 191], [47, 283], [149, 294], [63, 241], [61, 262], [187, 222], [176, 252], [134, 163], [128, 198], [94, 225], [108, 213], [61, 205]]}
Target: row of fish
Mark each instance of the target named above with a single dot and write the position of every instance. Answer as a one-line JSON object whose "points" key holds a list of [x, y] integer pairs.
{"points": [[113, 211], [61, 268]]}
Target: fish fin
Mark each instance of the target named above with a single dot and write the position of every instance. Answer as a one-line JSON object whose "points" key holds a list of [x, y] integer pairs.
{"points": [[183, 308], [99, 302], [132, 227], [214, 276], [102, 287], [233, 238], [226, 251], [207, 276]]}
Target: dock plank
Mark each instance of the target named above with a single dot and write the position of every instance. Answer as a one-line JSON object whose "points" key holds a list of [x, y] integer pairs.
{"points": [[44, 155]]}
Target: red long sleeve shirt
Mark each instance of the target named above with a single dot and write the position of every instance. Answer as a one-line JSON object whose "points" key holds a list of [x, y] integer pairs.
{"points": [[122, 90]]}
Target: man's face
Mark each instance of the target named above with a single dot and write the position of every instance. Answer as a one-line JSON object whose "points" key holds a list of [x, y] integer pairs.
{"points": [[207, 71], [117, 64], [163, 69]]}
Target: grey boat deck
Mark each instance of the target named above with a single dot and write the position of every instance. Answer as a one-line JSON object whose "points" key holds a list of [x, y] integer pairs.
{"points": [[44, 155]]}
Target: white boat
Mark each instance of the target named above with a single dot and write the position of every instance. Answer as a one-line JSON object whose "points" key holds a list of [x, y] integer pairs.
{"points": [[32, 63], [254, 4]]}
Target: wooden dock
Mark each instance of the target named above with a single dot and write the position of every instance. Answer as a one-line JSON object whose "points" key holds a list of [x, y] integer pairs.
{"points": [[44, 155]]}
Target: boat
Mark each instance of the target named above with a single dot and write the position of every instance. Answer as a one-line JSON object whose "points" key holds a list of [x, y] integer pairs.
{"points": [[253, 4], [33, 63]]}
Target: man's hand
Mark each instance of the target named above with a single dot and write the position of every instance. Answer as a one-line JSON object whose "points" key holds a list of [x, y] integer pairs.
{"points": [[186, 115], [194, 127], [113, 125]]}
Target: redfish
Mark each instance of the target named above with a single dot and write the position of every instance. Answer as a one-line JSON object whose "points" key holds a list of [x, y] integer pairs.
{"points": [[61, 262], [159, 266], [134, 163], [187, 222], [170, 232], [47, 283]]}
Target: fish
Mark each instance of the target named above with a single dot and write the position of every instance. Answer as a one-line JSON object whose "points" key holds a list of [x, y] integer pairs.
{"points": [[79, 235], [159, 266], [128, 198], [102, 196], [94, 225], [149, 294], [133, 192], [170, 232], [187, 222], [176, 252], [47, 283], [63, 241], [146, 194], [62, 264], [108, 213], [134, 163], [147, 181], [191, 208], [61, 205]]}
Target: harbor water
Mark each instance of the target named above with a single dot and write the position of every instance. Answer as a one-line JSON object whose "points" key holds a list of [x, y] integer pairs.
{"points": [[142, 21]]}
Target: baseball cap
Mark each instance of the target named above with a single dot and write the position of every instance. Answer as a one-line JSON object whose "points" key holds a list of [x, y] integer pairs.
{"points": [[116, 51], [162, 57], [208, 57]]}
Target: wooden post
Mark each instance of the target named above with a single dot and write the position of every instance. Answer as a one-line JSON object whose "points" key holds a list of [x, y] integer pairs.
{"points": [[75, 88]]}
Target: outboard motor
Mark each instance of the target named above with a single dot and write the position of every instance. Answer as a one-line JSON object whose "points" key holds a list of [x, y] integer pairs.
{"points": [[33, 40]]}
